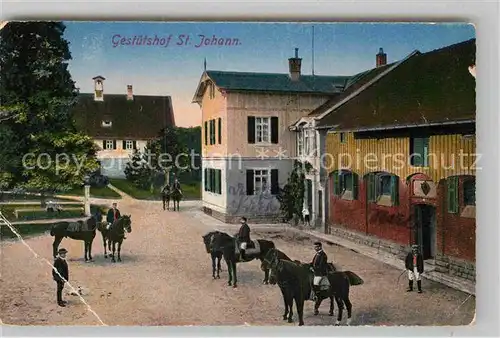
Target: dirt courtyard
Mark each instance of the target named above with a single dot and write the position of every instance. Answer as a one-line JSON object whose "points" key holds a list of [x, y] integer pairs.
{"points": [[165, 279]]}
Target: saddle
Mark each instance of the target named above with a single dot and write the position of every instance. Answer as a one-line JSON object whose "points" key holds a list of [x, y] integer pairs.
{"points": [[253, 248], [321, 282], [77, 226]]}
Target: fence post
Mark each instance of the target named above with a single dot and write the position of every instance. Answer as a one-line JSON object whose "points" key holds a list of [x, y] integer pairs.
{"points": [[87, 200]]}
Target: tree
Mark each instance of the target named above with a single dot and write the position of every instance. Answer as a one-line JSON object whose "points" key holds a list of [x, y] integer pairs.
{"points": [[291, 196], [37, 94]]}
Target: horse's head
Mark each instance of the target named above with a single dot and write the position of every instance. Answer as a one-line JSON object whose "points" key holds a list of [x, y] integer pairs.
{"points": [[207, 240], [127, 223], [273, 263]]}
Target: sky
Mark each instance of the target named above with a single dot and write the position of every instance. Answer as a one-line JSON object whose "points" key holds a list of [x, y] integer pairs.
{"points": [[109, 49]]}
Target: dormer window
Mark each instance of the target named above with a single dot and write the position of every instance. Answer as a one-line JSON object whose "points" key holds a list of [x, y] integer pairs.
{"points": [[106, 124]]}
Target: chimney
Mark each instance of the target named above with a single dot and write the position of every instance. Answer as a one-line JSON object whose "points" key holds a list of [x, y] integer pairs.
{"points": [[294, 66], [98, 88], [130, 93], [381, 58]]}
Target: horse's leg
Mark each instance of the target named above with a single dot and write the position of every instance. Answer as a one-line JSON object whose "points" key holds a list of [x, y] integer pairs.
{"points": [[113, 254], [85, 250], [219, 269], [317, 304], [285, 300], [332, 307], [340, 305], [349, 309], [119, 250], [90, 248], [299, 303], [235, 274], [104, 243], [213, 265], [55, 245], [229, 272]]}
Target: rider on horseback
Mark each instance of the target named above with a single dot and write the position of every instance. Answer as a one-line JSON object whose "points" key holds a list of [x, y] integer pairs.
{"points": [[113, 215], [320, 267], [243, 236], [177, 185]]}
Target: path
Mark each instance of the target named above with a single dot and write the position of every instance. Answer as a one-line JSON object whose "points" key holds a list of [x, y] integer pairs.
{"points": [[165, 279]]}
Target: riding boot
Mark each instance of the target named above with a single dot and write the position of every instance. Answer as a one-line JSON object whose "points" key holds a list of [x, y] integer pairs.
{"points": [[410, 286], [242, 254], [419, 285]]}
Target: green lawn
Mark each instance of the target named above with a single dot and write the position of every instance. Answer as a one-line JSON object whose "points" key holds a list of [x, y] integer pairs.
{"points": [[190, 191], [94, 192], [25, 230]]}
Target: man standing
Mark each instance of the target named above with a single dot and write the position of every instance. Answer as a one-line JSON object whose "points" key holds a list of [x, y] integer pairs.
{"points": [[319, 266], [243, 236], [305, 214], [414, 263], [113, 215], [60, 274]]}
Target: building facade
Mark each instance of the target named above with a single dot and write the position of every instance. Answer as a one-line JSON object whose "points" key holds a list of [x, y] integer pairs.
{"points": [[405, 161], [248, 150], [121, 123]]}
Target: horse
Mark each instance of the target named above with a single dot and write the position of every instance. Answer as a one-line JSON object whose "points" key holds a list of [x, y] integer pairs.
{"points": [[81, 231], [297, 279], [213, 253], [165, 196], [115, 235], [221, 241], [175, 195]]}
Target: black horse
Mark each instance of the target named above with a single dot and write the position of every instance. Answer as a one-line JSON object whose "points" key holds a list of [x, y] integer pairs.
{"points": [[80, 231], [213, 253], [165, 196], [115, 235], [227, 244], [297, 279], [175, 195]]}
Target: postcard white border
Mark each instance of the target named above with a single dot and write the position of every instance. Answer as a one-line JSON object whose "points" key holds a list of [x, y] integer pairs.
{"points": [[483, 14]]}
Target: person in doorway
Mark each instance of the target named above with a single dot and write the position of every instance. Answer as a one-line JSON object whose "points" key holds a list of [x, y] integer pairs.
{"points": [[243, 236], [319, 267], [60, 274], [305, 214], [414, 263]]}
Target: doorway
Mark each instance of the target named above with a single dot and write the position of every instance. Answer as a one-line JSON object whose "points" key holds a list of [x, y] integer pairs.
{"points": [[424, 229], [309, 196]]}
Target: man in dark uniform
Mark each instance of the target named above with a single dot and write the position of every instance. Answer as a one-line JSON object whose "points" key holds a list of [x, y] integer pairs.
{"points": [[319, 266], [243, 236], [112, 216], [414, 263], [61, 266], [177, 185]]}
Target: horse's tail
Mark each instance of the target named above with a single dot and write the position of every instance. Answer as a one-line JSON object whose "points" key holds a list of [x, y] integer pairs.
{"points": [[353, 278]]}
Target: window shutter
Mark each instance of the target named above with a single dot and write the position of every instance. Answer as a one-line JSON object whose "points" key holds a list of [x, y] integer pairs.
{"points": [[124, 144], [251, 130], [114, 144], [274, 182], [452, 194], [219, 172], [336, 183], [206, 178], [250, 186], [213, 183], [206, 133], [417, 151], [355, 186], [394, 190], [104, 144], [213, 131], [134, 145], [210, 180], [216, 181], [274, 129], [219, 128]]}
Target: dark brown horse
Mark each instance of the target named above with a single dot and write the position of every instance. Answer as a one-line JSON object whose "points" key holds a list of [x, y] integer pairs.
{"points": [[221, 241], [296, 279], [115, 235], [165, 196], [207, 239], [80, 231], [175, 195]]}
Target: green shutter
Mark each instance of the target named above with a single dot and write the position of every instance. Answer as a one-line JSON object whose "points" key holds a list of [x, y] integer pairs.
{"points": [[452, 194], [206, 179], [336, 183], [395, 190], [219, 172], [210, 180], [417, 151], [354, 186], [216, 180]]}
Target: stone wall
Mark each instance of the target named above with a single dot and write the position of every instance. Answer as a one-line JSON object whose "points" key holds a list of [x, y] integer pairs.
{"points": [[443, 264]]}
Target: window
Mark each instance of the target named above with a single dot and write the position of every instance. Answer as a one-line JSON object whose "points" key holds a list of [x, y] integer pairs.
{"points": [[219, 130], [300, 143], [379, 185], [419, 151], [261, 181], [308, 141], [263, 129], [452, 194], [469, 192], [109, 145], [342, 138], [345, 184], [206, 133], [213, 180], [212, 131], [129, 145]]}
